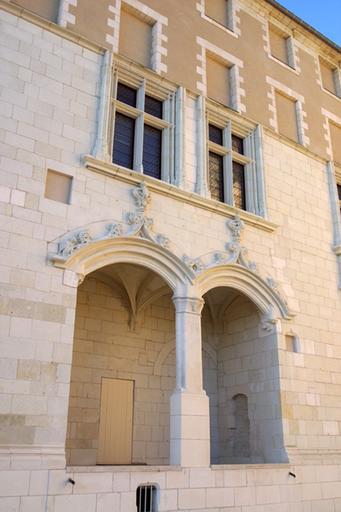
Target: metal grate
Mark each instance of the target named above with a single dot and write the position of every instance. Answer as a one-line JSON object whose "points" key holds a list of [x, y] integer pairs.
{"points": [[146, 498]]}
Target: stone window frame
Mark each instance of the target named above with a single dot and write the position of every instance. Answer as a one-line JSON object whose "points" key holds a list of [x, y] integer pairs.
{"points": [[292, 48], [252, 159], [152, 17], [233, 19], [336, 76], [234, 64], [301, 115], [146, 86]]}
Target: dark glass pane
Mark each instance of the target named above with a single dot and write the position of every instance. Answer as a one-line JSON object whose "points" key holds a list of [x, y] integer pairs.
{"points": [[215, 134], [123, 150], [153, 106], [216, 176], [238, 144], [152, 144], [126, 94], [239, 186], [339, 191]]}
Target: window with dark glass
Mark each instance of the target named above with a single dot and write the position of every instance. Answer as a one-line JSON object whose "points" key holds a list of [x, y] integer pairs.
{"points": [[126, 94], [215, 164], [138, 131], [152, 146], [123, 150], [224, 161], [239, 186], [339, 194], [216, 176]]}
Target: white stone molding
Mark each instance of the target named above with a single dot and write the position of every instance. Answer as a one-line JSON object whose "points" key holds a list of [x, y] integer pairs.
{"points": [[329, 117], [233, 18], [180, 137], [336, 217], [64, 16], [254, 175], [101, 149], [201, 187], [152, 17], [234, 64], [301, 115]]}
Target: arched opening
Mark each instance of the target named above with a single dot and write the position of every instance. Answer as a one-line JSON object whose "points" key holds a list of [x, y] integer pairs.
{"points": [[119, 403], [242, 381]]}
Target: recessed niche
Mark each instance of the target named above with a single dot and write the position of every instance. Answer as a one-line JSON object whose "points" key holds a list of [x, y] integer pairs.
{"points": [[58, 186]]}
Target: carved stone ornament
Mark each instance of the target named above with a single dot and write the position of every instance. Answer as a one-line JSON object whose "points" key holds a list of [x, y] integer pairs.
{"points": [[69, 246], [137, 224]]}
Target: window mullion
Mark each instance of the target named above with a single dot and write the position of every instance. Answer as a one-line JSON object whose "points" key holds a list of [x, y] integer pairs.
{"points": [[166, 153], [228, 165], [138, 146]]}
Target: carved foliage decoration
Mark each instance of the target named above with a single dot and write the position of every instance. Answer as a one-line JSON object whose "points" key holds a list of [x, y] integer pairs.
{"points": [[137, 224]]}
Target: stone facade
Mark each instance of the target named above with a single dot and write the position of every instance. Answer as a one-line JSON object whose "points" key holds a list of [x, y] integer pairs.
{"points": [[227, 321]]}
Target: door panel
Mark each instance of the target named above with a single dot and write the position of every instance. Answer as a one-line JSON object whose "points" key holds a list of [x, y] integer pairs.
{"points": [[116, 422]]}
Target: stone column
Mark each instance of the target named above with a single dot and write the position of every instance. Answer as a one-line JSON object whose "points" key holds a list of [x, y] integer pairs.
{"points": [[189, 432]]}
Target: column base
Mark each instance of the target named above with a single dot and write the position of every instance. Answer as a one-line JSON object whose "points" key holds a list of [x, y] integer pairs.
{"points": [[190, 429]]}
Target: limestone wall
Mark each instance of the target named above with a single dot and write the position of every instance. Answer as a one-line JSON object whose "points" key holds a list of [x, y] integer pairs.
{"points": [[49, 101]]}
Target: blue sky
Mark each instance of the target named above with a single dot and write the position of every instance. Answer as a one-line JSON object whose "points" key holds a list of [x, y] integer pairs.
{"points": [[323, 15]]}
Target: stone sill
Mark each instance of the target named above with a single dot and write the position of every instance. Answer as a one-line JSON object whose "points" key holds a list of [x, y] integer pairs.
{"points": [[166, 189], [121, 469], [159, 469]]}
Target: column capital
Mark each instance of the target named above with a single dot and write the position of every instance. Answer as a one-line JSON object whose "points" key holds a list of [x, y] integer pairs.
{"points": [[192, 305]]}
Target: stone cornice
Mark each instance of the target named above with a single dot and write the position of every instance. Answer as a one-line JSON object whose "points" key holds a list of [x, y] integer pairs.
{"points": [[166, 189]]}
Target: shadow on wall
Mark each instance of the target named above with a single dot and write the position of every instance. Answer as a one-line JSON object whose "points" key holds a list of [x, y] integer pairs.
{"points": [[242, 382]]}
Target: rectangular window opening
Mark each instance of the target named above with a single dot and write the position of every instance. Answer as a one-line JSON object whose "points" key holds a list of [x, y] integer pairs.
{"points": [[153, 107], [238, 144], [286, 116], [215, 134], [123, 148], [126, 94], [217, 10], [152, 150], [328, 75], [216, 176], [279, 42], [239, 198]]}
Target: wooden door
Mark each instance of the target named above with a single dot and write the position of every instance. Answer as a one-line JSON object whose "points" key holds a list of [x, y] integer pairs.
{"points": [[116, 422]]}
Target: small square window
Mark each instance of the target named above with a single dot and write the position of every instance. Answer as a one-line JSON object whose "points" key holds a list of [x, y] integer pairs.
{"points": [[153, 106], [215, 134], [58, 187], [126, 94], [238, 144]]}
